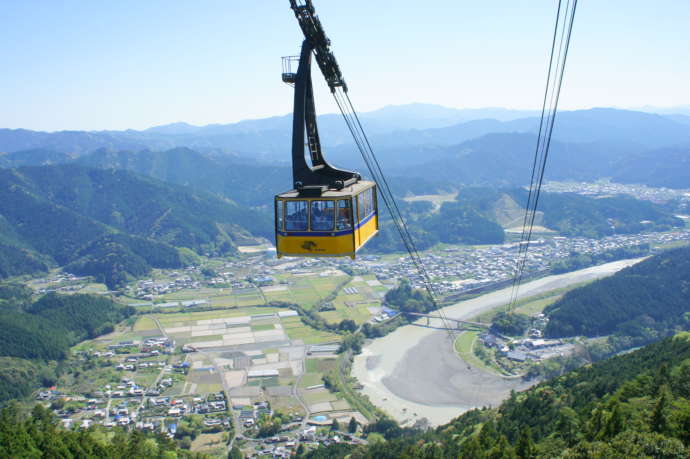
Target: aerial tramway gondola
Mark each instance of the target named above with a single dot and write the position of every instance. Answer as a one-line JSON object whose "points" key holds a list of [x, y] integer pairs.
{"points": [[330, 212]]}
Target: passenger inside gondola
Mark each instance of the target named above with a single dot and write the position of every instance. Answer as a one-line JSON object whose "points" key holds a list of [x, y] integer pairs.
{"points": [[322, 215], [296, 216], [344, 215]]}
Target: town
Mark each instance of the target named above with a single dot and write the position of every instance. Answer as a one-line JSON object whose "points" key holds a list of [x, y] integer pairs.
{"points": [[218, 356]]}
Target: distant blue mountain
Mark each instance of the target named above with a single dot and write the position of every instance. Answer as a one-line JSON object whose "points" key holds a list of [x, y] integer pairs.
{"points": [[667, 167], [587, 144], [407, 125], [683, 119]]}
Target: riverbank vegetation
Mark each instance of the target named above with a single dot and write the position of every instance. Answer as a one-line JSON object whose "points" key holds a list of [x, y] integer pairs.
{"points": [[635, 405], [636, 306]]}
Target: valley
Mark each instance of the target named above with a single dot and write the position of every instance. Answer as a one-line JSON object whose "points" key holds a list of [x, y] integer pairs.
{"points": [[414, 371], [263, 338], [229, 347], [245, 230]]}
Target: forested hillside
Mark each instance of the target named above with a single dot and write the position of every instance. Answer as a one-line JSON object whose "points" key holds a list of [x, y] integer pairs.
{"points": [[574, 215], [36, 333], [645, 301], [111, 224], [34, 157], [505, 159], [478, 214], [453, 223], [244, 182], [667, 167], [39, 435], [635, 405], [571, 214]]}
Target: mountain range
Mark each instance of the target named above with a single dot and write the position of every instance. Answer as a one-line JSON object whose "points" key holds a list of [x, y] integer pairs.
{"points": [[413, 124], [111, 224], [440, 145], [121, 202]]}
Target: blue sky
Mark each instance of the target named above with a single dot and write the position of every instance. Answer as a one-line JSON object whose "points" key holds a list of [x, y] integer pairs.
{"points": [[134, 64]]}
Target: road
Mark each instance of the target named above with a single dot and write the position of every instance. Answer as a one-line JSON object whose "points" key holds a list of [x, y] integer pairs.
{"points": [[235, 417], [160, 327], [414, 372], [142, 405], [295, 390]]}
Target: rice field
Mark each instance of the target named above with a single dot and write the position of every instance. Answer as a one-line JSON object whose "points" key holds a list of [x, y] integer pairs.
{"points": [[295, 329], [145, 323], [189, 317]]}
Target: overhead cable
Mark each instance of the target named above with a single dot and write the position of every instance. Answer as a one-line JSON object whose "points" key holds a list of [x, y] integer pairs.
{"points": [[559, 53]]}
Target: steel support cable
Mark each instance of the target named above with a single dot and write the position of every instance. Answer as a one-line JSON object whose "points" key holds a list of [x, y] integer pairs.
{"points": [[537, 160], [357, 131], [534, 162], [395, 205], [369, 163], [389, 200], [537, 164], [370, 159], [555, 95], [546, 140], [554, 85]]}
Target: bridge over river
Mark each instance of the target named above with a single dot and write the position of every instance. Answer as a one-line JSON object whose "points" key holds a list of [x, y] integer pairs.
{"points": [[444, 319], [414, 371]]}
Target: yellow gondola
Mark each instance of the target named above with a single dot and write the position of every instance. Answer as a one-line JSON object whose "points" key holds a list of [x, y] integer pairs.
{"points": [[335, 224], [330, 212]]}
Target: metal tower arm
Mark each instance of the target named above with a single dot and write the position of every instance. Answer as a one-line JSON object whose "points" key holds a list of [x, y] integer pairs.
{"points": [[320, 175], [321, 46]]}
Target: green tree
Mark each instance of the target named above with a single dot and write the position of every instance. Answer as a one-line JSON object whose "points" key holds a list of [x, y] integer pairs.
{"points": [[352, 341], [615, 422], [501, 450], [407, 299], [510, 323], [568, 425], [347, 325], [235, 453], [352, 426], [659, 420], [471, 449], [488, 435], [525, 445]]}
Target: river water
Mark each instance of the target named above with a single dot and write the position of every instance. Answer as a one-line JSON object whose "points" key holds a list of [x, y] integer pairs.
{"points": [[414, 372]]}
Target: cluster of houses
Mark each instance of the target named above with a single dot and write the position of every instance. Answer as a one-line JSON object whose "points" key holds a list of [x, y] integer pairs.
{"points": [[385, 314], [147, 289], [155, 346], [604, 188], [63, 282], [150, 413], [519, 350], [249, 416], [539, 323], [261, 280], [176, 407], [148, 348], [128, 388], [462, 269], [284, 446]]}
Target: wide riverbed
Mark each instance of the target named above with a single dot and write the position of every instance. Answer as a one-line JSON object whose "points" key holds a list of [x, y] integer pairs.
{"points": [[414, 372]]}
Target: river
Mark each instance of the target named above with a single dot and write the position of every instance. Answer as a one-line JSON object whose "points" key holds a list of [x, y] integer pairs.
{"points": [[414, 372]]}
